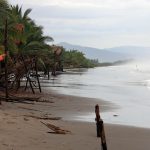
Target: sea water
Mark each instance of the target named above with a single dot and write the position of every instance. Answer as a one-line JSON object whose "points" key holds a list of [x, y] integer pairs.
{"points": [[127, 86]]}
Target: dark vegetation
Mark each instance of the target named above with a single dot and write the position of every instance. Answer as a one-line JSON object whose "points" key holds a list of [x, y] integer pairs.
{"points": [[24, 50], [76, 59]]}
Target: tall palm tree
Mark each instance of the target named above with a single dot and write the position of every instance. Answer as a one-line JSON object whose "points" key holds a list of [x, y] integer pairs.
{"points": [[3, 19], [3, 8], [3, 15], [31, 38], [27, 39]]}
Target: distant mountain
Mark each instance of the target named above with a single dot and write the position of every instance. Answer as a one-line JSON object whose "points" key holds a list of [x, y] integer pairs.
{"points": [[111, 54], [103, 55], [133, 51]]}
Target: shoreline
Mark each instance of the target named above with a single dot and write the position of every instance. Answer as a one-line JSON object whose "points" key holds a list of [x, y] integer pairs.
{"points": [[20, 130]]}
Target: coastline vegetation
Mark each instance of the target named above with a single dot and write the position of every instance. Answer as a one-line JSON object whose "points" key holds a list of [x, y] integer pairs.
{"points": [[77, 59], [25, 50]]}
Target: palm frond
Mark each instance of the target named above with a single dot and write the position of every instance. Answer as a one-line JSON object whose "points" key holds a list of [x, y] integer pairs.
{"points": [[26, 13]]}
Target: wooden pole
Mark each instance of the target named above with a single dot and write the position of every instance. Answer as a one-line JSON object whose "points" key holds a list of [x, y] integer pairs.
{"points": [[26, 83], [6, 59], [27, 75], [100, 128], [37, 75], [48, 73], [54, 66]]}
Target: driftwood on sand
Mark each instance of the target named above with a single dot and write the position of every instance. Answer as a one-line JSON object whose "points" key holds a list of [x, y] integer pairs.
{"points": [[55, 129], [19, 98], [13, 98], [29, 108], [43, 118]]}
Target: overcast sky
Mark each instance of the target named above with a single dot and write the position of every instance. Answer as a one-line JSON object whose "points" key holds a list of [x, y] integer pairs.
{"points": [[96, 23]]}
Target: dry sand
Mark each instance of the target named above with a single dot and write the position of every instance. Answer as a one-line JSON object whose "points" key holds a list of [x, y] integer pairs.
{"points": [[20, 131]]}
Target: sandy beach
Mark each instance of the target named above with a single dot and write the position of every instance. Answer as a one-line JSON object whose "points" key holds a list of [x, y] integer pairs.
{"points": [[23, 126]]}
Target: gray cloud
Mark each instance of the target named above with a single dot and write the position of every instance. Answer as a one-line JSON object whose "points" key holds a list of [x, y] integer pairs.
{"points": [[98, 23]]}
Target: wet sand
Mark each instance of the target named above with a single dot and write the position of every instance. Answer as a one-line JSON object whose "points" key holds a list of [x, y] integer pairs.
{"points": [[21, 127]]}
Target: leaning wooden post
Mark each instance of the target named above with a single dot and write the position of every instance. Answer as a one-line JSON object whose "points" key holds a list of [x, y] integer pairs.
{"points": [[100, 128]]}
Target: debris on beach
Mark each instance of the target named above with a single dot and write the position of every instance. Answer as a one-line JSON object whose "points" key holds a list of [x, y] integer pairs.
{"points": [[55, 129], [29, 108], [43, 118], [45, 101], [25, 119], [115, 115]]}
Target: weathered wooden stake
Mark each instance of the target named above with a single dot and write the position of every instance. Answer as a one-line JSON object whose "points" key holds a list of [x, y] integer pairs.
{"points": [[100, 128]]}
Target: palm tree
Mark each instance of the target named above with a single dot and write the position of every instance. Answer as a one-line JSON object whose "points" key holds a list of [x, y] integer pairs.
{"points": [[30, 38], [3, 15], [3, 18], [27, 39], [3, 8]]}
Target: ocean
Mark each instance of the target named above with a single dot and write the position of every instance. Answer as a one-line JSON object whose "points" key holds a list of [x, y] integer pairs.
{"points": [[127, 86]]}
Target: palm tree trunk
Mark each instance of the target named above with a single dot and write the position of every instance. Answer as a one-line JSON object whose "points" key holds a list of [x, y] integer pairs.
{"points": [[37, 76], [6, 60]]}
